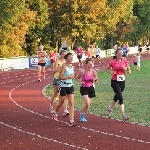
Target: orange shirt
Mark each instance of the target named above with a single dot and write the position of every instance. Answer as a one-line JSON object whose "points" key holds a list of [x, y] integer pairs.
{"points": [[41, 55], [88, 54]]}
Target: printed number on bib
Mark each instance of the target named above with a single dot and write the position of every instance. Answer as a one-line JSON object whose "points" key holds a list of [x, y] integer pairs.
{"points": [[120, 77]]}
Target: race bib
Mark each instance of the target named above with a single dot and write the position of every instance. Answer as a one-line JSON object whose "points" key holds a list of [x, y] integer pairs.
{"points": [[120, 77]]}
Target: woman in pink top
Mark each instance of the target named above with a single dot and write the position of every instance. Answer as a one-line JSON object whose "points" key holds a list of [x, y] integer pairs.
{"points": [[117, 68], [79, 52], [88, 76]]}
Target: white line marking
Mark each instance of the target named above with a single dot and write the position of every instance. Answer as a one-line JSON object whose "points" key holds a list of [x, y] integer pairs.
{"points": [[92, 130], [41, 137]]}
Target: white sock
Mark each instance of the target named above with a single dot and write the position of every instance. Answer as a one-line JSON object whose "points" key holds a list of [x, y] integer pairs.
{"points": [[71, 120]]}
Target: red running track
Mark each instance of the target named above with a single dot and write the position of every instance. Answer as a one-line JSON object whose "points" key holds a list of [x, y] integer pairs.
{"points": [[25, 121]]}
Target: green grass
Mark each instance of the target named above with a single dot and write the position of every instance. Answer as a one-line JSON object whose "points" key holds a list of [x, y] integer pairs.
{"points": [[136, 95]]}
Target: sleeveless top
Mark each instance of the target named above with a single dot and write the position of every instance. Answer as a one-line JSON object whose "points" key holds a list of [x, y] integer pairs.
{"points": [[42, 55], [87, 79], [138, 59], [57, 73], [67, 82]]}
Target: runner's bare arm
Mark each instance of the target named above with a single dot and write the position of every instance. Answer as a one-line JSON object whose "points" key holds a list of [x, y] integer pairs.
{"points": [[95, 76], [109, 70], [56, 69]]}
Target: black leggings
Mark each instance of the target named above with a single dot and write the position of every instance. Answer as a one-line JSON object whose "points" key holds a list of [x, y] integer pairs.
{"points": [[118, 87]]}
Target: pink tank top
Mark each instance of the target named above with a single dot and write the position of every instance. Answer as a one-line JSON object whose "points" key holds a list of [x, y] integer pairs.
{"points": [[87, 79]]}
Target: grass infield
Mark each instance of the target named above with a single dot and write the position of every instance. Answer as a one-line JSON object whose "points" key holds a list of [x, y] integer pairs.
{"points": [[136, 95]]}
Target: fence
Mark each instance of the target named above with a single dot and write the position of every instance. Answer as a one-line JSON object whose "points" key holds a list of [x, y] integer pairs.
{"points": [[23, 62]]}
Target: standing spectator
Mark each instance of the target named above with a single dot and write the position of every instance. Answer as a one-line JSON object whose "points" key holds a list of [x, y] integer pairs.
{"points": [[138, 61], [117, 68]]}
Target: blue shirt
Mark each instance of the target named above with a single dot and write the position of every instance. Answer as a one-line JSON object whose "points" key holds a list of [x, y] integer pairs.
{"points": [[124, 50], [67, 82]]}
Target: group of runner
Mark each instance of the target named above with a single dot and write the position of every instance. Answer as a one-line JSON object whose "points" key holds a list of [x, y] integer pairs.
{"points": [[64, 74]]}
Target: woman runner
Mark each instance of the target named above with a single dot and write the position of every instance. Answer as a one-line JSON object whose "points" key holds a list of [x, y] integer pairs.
{"points": [[56, 82], [66, 75], [88, 76], [117, 68], [41, 54]]}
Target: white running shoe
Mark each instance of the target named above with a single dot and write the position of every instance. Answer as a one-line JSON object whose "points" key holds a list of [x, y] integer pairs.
{"points": [[66, 113]]}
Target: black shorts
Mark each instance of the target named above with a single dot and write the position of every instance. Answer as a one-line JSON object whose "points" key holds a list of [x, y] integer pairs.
{"points": [[97, 56], [135, 63], [42, 64], [90, 91], [63, 91], [79, 57]]}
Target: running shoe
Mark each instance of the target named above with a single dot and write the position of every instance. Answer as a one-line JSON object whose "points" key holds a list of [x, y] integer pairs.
{"points": [[54, 117], [71, 124], [82, 117], [39, 80], [125, 118], [109, 112], [66, 113]]}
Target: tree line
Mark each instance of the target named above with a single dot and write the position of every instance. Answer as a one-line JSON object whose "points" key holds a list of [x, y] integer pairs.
{"points": [[25, 24]]}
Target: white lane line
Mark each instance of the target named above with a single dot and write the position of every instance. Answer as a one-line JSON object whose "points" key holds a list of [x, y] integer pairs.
{"points": [[92, 130], [42, 137]]}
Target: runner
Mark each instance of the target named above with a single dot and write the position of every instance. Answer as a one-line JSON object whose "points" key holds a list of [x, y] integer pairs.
{"points": [[88, 76], [97, 51], [124, 49], [69, 50], [88, 53], [93, 52], [52, 57], [41, 54], [79, 52], [56, 82], [117, 68], [66, 75]]}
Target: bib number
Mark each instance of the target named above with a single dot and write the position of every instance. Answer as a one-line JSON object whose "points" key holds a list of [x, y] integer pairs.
{"points": [[120, 77]]}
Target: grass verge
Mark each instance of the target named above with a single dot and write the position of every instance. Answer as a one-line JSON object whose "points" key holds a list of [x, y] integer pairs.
{"points": [[136, 95]]}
